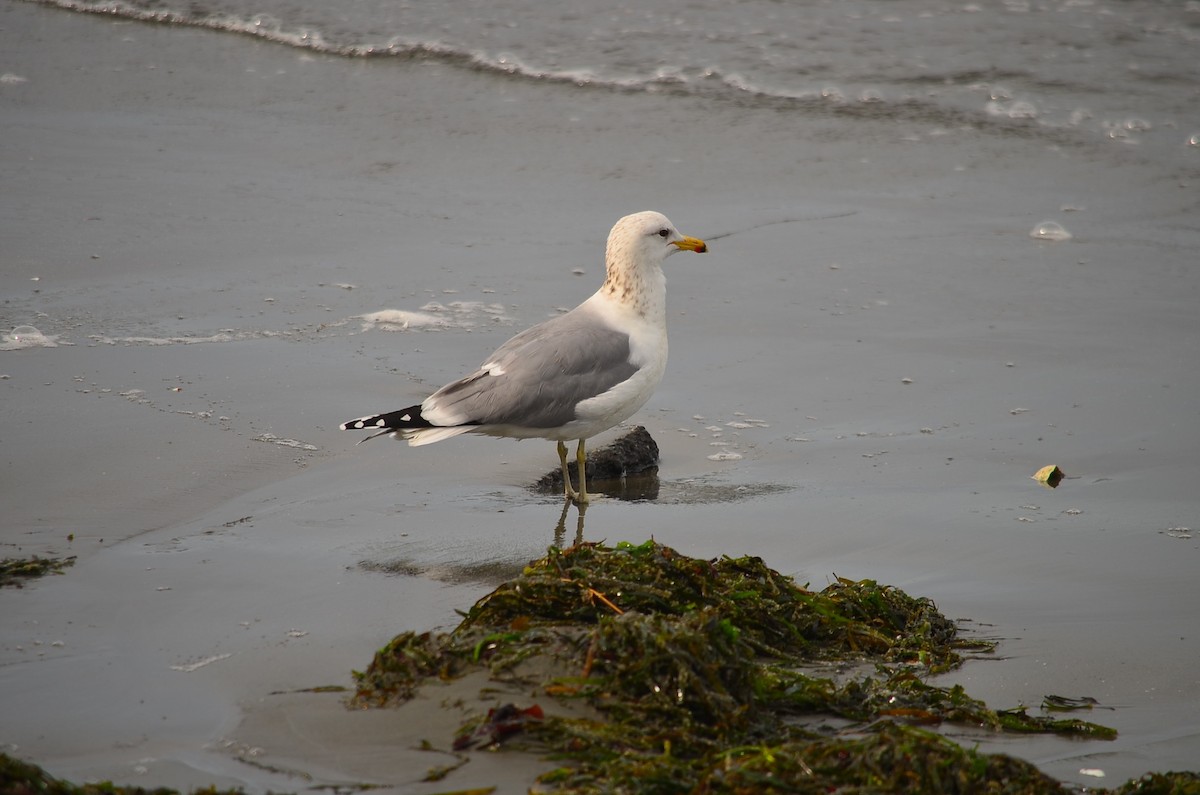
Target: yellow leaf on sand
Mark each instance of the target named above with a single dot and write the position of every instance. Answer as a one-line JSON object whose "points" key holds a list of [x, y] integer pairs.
{"points": [[1049, 476]]}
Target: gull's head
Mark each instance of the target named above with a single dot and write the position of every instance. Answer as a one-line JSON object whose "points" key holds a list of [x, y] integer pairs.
{"points": [[647, 238]]}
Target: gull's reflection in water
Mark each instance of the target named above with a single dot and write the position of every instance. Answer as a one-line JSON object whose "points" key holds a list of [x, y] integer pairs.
{"points": [[643, 487], [455, 560], [463, 560]]}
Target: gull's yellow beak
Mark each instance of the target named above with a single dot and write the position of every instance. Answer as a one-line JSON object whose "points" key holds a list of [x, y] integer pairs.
{"points": [[692, 244]]}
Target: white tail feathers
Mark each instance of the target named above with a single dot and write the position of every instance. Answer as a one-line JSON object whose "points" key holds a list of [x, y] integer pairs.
{"points": [[423, 436]]}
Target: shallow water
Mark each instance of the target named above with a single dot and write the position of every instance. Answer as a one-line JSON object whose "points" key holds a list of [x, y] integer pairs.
{"points": [[866, 369], [1100, 70]]}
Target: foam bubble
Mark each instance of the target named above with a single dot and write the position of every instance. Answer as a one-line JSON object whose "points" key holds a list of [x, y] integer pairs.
{"points": [[1050, 230], [1125, 132], [26, 337]]}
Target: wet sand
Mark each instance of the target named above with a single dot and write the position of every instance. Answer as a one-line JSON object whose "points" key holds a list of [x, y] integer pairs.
{"points": [[865, 371]]}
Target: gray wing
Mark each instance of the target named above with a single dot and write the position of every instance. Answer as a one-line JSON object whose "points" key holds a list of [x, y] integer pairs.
{"points": [[543, 373]]}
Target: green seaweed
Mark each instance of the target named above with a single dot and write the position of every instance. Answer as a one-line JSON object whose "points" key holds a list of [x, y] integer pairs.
{"points": [[1161, 784], [23, 778], [14, 571], [735, 605], [700, 677], [888, 758]]}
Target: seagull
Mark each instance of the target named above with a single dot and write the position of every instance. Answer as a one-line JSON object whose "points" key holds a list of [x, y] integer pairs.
{"points": [[572, 376]]}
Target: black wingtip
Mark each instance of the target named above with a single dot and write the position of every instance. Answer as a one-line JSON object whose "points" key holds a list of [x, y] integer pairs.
{"points": [[401, 420]]}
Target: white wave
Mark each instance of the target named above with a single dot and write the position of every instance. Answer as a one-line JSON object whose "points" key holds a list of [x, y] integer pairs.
{"points": [[223, 336], [435, 315]]}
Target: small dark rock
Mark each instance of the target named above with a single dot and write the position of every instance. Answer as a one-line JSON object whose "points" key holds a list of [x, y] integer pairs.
{"points": [[627, 469]]}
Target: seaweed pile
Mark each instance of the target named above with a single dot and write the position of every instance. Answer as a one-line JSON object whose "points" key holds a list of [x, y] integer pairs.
{"points": [[699, 676], [13, 571]]}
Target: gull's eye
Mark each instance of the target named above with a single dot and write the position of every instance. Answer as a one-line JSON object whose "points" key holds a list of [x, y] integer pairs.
{"points": [[663, 233]]}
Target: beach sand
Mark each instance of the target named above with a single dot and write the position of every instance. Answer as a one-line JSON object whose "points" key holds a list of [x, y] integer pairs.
{"points": [[865, 371]]}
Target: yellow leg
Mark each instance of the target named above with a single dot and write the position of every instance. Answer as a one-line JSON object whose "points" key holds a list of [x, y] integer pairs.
{"points": [[570, 493], [581, 457]]}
